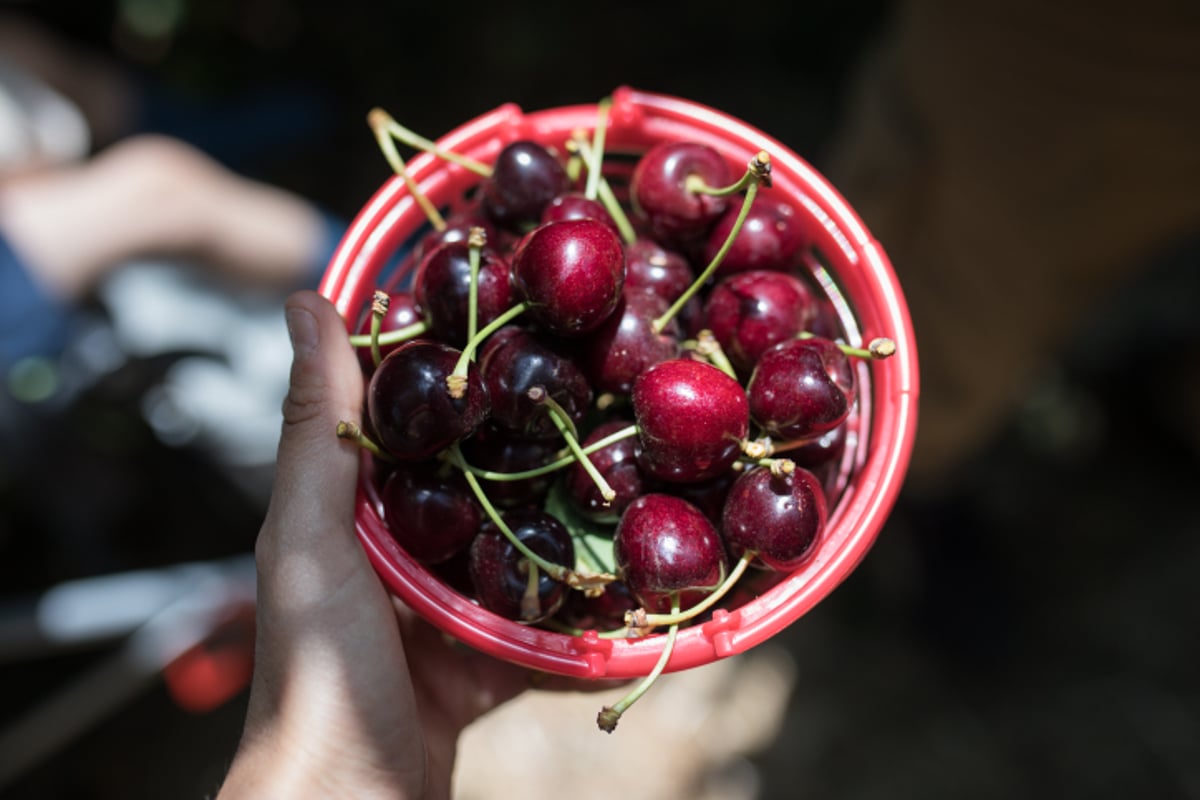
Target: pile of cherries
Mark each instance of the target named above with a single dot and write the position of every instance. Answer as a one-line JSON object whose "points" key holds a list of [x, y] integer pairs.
{"points": [[599, 406]]}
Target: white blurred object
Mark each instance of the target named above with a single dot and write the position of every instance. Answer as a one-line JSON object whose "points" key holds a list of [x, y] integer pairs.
{"points": [[38, 126], [226, 391]]}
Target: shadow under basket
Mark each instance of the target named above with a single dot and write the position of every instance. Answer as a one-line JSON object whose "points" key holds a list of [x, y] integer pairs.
{"points": [[845, 262]]}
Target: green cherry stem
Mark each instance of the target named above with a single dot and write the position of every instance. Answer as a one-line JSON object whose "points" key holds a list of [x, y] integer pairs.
{"points": [[708, 346], [531, 609], [379, 121], [757, 173], [876, 349], [639, 619], [456, 381], [559, 463], [609, 716], [379, 308], [476, 239], [562, 420], [596, 158], [352, 432], [380, 118], [391, 337], [605, 194]]}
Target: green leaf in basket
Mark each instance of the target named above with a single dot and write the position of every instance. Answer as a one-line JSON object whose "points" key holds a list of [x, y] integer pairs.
{"points": [[593, 540]]}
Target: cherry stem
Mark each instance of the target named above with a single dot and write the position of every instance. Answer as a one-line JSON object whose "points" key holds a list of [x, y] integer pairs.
{"points": [[606, 196], [476, 239], [708, 346], [574, 159], [876, 349], [555, 571], [381, 119], [391, 337], [609, 715], [596, 159], [456, 381], [562, 420], [557, 464], [388, 148], [530, 607], [757, 172], [352, 432], [379, 308], [675, 617]]}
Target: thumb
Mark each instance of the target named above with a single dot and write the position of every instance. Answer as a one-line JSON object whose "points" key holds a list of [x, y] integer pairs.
{"points": [[312, 504]]}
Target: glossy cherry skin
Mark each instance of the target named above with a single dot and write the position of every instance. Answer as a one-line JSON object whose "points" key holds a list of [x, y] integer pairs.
{"points": [[570, 274], [626, 344], [412, 413], [525, 178], [659, 193], [801, 388], [617, 462], [499, 572], [691, 419], [575, 205], [442, 288], [770, 237], [664, 545], [433, 517], [514, 361], [402, 312], [649, 265], [750, 312], [779, 517]]}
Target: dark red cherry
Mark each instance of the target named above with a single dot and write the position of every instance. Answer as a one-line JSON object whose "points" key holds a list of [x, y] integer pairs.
{"points": [[575, 205], [750, 312], [691, 419], [570, 274], [411, 411], [433, 517], [668, 274], [442, 289], [626, 344], [500, 573], [707, 495], [458, 228], [780, 516], [769, 239], [659, 193], [603, 612], [514, 361], [664, 546], [402, 312], [525, 178], [617, 462], [801, 388]]}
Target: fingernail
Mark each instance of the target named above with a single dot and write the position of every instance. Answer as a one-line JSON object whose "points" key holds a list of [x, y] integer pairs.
{"points": [[302, 329]]}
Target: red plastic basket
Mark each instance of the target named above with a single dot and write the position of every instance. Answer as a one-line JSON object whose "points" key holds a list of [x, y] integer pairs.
{"points": [[846, 260]]}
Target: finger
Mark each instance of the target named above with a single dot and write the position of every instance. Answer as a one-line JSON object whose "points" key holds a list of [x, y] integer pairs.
{"points": [[312, 504]]}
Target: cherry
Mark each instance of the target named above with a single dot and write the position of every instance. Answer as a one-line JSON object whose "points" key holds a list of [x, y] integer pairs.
{"points": [[505, 581], [575, 205], [750, 312], [524, 179], [626, 344], [402, 312], [617, 462], [433, 517], [691, 419], [661, 194], [570, 274], [443, 285], [457, 228], [513, 362], [778, 514], [411, 412], [801, 388], [770, 237], [668, 274], [601, 612], [667, 552], [707, 495]]}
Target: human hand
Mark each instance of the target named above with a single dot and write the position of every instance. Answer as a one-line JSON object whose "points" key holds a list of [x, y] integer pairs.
{"points": [[353, 695]]}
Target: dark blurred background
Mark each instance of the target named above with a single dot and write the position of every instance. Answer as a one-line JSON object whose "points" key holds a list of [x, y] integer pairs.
{"points": [[1028, 624]]}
